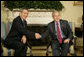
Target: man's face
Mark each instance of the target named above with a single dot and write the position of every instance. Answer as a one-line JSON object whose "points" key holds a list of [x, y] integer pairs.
{"points": [[56, 17], [24, 14]]}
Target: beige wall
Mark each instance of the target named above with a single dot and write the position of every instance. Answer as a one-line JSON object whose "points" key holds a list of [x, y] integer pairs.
{"points": [[72, 13]]}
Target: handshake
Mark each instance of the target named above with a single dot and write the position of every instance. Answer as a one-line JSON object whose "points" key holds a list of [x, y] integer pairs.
{"points": [[37, 36]]}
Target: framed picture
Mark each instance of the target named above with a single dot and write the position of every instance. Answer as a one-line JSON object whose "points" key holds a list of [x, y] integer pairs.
{"points": [[78, 3]]}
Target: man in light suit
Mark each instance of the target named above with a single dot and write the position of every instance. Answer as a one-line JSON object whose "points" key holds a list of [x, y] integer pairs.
{"points": [[18, 34], [60, 33]]}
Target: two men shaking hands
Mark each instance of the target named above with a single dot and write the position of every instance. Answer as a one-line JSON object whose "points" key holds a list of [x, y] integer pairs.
{"points": [[59, 30], [24, 39]]}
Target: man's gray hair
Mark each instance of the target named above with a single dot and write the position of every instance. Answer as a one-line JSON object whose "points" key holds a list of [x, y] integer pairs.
{"points": [[23, 9], [55, 11]]}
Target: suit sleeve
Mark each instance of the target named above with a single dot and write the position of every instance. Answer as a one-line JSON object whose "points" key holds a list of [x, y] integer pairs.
{"points": [[23, 30], [70, 34], [46, 33]]}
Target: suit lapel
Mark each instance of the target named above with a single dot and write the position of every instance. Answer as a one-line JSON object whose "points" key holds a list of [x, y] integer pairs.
{"points": [[61, 24], [53, 26], [25, 24], [22, 21]]}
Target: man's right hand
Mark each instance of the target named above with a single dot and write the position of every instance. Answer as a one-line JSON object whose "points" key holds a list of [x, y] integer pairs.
{"points": [[23, 39], [67, 40]]}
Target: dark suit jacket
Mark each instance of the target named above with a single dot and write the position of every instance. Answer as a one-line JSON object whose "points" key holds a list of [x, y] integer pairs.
{"points": [[52, 33], [18, 30]]}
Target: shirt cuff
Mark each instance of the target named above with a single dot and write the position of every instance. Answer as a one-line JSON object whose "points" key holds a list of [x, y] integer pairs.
{"points": [[40, 36]]}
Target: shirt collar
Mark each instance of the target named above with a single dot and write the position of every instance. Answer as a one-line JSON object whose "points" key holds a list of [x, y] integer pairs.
{"points": [[22, 18], [58, 22]]}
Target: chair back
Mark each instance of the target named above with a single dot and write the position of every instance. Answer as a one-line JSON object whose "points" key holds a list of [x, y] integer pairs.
{"points": [[4, 30]]}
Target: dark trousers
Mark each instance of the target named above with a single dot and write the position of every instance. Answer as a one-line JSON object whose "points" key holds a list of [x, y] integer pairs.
{"points": [[59, 49], [19, 47]]}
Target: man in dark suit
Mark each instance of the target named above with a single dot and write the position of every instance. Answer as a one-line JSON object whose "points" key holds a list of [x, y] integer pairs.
{"points": [[18, 35], [60, 33]]}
